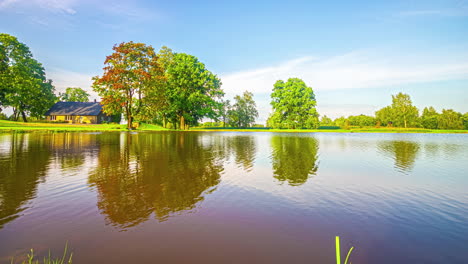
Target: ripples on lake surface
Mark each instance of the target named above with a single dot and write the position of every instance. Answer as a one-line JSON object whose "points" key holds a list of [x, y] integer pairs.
{"points": [[235, 197]]}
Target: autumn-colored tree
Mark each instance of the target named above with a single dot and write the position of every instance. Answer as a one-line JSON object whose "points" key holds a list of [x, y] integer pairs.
{"points": [[132, 77]]}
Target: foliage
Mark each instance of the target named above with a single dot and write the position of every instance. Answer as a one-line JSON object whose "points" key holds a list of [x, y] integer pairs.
{"points": [[361, 120], [23, 84], [341, 122], [192, 92], [429, 118], [74, 94], [326, 121], [244, 111], [293, 105], [403, 111], [131, 82], [384, 116], [450, 119], [465, 120]]}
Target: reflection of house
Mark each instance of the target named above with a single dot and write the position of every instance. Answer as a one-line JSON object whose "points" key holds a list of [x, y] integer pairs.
{"points": [[78, 112]]}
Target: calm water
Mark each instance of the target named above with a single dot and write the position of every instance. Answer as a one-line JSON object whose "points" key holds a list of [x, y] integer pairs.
{"points": [[235, 197]]}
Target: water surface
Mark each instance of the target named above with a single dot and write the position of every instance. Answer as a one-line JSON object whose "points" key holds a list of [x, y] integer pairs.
{"points": [[218, 197]]}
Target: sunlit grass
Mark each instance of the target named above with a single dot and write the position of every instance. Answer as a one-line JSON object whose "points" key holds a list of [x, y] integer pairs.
{"points": [[7, 126], [32, 259]]}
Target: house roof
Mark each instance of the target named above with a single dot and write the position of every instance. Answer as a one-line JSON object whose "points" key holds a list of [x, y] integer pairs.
{"points": [[75, 108]]}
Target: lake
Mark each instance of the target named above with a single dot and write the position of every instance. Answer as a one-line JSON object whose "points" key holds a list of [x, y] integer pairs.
{"points": [[228, 197]]}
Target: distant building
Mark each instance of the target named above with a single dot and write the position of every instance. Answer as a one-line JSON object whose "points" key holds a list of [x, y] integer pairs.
{"points": [[78, 113]]}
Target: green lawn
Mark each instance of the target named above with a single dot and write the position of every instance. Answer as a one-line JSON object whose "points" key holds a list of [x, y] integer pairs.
{"points": [[6, 126], [9, 126]]}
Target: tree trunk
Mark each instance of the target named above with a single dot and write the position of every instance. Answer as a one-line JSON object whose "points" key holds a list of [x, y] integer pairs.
{"points": [[24, 117], [405, 122], [164, 122], [182, 122], [129, 119]]}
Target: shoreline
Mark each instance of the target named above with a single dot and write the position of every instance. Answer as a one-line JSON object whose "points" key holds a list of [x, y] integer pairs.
{"points": [[20, 127]]}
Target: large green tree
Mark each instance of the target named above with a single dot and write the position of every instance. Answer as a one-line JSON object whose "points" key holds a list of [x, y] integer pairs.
{"points": [[74, 94], [192, 92], [244, 111], [131, 81], [404, 113], [293, 105], [429, 118], [23, 83]]}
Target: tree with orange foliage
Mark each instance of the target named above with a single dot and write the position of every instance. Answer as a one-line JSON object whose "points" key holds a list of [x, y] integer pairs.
{"points": [[131, 80]]}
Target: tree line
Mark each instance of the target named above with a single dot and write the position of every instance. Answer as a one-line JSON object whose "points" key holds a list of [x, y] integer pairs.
{"points": [[176, 90], [402, 113]]}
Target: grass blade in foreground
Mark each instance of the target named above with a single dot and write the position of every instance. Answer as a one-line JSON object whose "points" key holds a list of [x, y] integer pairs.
{"points": [[338, 252]]}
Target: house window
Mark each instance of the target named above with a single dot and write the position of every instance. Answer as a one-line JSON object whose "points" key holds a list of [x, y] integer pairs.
{"points": [[53, 118], [68, 118]]}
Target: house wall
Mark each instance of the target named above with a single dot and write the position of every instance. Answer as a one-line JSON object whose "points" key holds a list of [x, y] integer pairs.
{"points": [[76, 119]]}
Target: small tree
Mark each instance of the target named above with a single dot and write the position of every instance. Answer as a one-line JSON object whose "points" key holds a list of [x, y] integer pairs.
{"points": [[244, 111], [74, 94]]}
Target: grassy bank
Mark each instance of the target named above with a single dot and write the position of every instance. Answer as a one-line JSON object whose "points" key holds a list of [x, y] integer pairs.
{"points": [[11, 126]]}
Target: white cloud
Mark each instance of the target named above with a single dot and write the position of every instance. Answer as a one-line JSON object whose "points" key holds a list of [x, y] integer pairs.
{"points": [[354, 70], [62, 79]]}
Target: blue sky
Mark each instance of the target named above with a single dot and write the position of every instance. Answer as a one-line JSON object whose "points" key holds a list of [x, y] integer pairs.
{"points": [[354, 54]]}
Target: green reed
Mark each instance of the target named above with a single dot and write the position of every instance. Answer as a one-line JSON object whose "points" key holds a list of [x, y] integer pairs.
{"points": [[338, 252], [32, 259]]}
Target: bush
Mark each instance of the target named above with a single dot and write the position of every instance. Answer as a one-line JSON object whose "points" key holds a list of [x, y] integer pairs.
{"points": [[329, 127]]}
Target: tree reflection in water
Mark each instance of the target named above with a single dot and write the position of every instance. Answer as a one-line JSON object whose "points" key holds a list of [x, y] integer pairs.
{"points": [[294, 158], [161, 173], [403, 152], [22, 166]]}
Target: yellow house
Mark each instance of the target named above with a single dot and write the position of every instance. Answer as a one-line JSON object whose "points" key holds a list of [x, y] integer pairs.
{"points": [[77, 113]]}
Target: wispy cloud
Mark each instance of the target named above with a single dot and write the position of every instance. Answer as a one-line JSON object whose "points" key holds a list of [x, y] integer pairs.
{"points": [[57, 12], [64, 6], [353, 70]]}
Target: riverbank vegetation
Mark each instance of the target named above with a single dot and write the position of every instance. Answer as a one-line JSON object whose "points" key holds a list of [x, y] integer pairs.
{"points": [[171, 90]]}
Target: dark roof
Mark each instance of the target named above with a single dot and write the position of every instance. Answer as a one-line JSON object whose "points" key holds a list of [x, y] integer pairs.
{"points": [[75, 108]]}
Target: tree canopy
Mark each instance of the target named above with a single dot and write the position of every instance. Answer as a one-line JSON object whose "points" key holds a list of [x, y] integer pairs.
{"points": [[293, 105], [23, 83], [131, 75], [74, 94], [404, 113], [192, 92], [244, 111]]}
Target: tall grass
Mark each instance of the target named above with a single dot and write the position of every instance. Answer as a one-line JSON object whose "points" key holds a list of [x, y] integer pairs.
{"points": [[32, 259]]}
